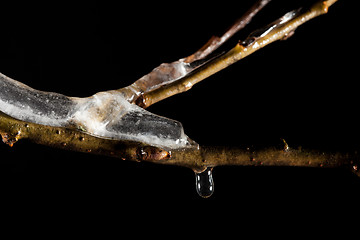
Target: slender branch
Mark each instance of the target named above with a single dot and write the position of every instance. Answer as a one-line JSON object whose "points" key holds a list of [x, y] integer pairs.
{"points": [[169, 72], [215, 42], [280, 29], [270, 156]]}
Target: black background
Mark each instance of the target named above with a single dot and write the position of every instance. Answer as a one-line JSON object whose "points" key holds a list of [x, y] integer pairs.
{"points": [[303, 89]]}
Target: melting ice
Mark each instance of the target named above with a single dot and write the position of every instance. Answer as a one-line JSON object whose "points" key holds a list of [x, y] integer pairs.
{"points": [[105, 114]]}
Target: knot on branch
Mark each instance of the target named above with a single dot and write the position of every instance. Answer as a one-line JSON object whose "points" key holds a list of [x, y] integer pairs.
{"points": [[152, 154], [10, 138]]}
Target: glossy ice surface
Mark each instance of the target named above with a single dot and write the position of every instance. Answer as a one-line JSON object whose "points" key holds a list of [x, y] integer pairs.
{"points": [[105, 114]]}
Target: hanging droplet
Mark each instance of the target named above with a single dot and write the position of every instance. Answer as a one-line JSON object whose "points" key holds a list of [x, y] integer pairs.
{"points": [[204, 183]]}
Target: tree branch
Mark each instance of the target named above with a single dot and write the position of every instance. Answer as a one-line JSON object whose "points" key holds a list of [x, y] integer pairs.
{"points": [[77, 135], [198, 158]]}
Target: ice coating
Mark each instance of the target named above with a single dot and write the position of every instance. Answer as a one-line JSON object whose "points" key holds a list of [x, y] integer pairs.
{"points": [[110, 115], [24, 103], [276, 24], [105, 114], [161, 75]]}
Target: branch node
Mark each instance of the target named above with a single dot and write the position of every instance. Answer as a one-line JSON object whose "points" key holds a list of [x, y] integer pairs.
{"points": [[142, 101], [325, 7], [152, 154], [11, 138]]}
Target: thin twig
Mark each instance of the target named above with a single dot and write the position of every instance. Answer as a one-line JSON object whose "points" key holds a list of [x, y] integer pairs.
{"points": [[265, 156], [169, 72], [285, 27], [215, 42]]}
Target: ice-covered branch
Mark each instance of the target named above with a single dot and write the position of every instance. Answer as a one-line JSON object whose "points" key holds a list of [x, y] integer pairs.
{"points": [[195, 157], [114, 123], [110, 115], [200, 159]]}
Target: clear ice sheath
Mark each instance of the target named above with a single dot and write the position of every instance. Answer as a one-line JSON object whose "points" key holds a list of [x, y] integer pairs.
{"points": [[105, 115]]}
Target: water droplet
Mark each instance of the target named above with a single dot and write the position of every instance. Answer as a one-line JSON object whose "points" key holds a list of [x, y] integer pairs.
{"points": [[204, 183]]}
